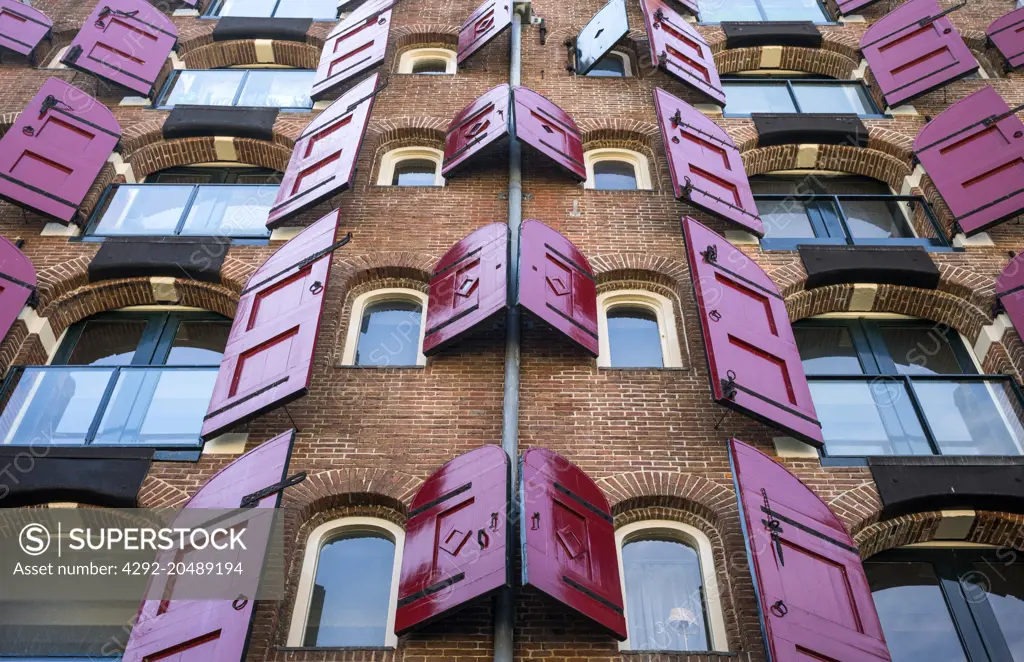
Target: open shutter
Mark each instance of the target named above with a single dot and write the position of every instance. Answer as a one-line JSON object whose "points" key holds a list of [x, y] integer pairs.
{"points": [[205, 630], [456, 539], [1007, 34], [55, 150], [269, 356], [557, 284], [568, 539], [355, 45], [753, 360], [480, 124], [600, 35], [813, 595], [487, 22], [22, 27], [17, 284], [1010, 292], [678, 48], [468, 286], [914, 49], [706, 166], [549, 129], [849, 6], [974, 153]]}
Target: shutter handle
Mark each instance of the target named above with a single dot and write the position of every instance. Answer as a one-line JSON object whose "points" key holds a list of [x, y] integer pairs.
{"points": [[316, 288], [779, 608], [536, 521], [238, 604], [494, 521], [482, 539]]}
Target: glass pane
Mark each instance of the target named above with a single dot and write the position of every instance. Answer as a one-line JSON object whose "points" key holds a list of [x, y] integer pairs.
{"points": [[747, 98], [247, 8], [609, 66], [793, 10], [349, 605], [634, 338], [390, 334], [278, 89], [430, 67], [827, 350], [615, 176], [921, 350], [415, 172], [875, 219], [184, 176], [847, 184], [861, 419], [1003, 583], [972, 418], [107, 342], [157, 407], [143, 210], [206, 88], [89, 630], [915, 619], [317, 9], [230, 211], [52, 405], [821, 98], [714, 11], [199, 343], [664, 596], [785, 219]]}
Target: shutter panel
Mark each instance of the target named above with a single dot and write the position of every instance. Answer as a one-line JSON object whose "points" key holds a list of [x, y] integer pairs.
{"points": [[268, 360], [568, 539], [22, 27], [974, 152], [678, 48], [355, 45], [468, 286], [456, 539], [753, 360], [205, 630], [1010, 291], [549, 129], [17, 284], [847, 7], [705, 164], [600, 35], [55, 150], [487, 22], [324, 159], [1007, 34], [480, 124], [812, 592], [914, 49], [557, 284]]}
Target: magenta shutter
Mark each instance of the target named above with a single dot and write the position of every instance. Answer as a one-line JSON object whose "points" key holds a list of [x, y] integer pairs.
{"points": [[557, 284], [355, 45], [753, 360], [487, 22], [678, 48], [324, 159], [1007, 34], [1010, 291], [479, 125], [55, 150], [914, 49], [549, 129], [706, 166], [17, 284], [568, 539], [22, 27], [812, 592], [456, 539], [468, 286], [974, 152], [172, 630], [849, 6], [268, 360]]}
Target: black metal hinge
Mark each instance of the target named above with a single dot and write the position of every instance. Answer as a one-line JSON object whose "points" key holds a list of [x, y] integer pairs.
{"points": [[252, 500]]}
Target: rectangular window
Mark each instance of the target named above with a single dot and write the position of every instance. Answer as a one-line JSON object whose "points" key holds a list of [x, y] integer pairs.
{"points": [[273, 88], [746, 95], [318, 10], [716, 11]]}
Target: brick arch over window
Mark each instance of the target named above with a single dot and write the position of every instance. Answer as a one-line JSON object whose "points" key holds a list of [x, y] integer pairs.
{"points": [[411, 132], [1005, 530], [622, 134], [347, 487], [886, 158], [202, 53], [159, 154], [408, 37], [834, 59], [158, 493]]}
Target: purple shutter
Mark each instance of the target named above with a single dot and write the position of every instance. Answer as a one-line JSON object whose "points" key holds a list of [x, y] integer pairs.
{"points": [[599, 36], [468, 287], [456, 539], [172, 630], [549, 129], [706, 166], [355, 45], [813, 595], [753, 360], [17, 283], [849, 6], [324, 159], [54, 151], [568, 539], [268, 360], [480, 124], [1007, 34], [22, 27], [974, 152], [678, 48], [1010, 291], [914, 49], [487, 22]]}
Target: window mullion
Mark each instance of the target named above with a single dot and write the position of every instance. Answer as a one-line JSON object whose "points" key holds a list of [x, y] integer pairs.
{"points": [[792, 96], [960, 609], [185, 211], [241, 87], [146, 349], [104, 402], [841, 219]]}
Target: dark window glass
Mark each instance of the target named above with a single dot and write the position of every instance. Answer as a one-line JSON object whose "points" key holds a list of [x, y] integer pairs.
{"points": [[747, 98], [275, 88], [199, 343], [389, 334], [415, 172], [88, 630], [107, 342], [749, 94], [921, 350], [850, 98], [1001, 585], [430, 67], [610, 66], [826, 350], [634, 338], [875, 219], [614, 175]]}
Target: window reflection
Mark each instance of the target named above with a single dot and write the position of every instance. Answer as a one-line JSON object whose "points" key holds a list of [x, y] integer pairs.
{"points": [[714, 11], [415, 172], [238, 87], [611, 175], [634, 338], [389, 334], [610, 66]]}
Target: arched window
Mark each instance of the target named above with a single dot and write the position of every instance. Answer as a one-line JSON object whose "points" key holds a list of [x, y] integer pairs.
{"points": [[428, 61], [617, 170], [386, 329], [411, 166], [637, 329], [615, 64]]}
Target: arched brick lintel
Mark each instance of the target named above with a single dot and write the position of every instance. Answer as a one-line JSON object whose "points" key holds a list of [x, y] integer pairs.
{"points": [[886, 158], [1003, 530], [834, 59], [201, 54], [153, 153]]}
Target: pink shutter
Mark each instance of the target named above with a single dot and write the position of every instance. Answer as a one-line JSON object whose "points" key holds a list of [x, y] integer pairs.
{"points": [[812, 592], [568, 539], [486, 23], [357, 43], [557, 284], [480, 124], [706, 166], [678, 48], [849, 6], [1010, 291], [172, 630], [324, 159], [456, 539], [914, 49], [974, 152], [55, 150], [22, 27], [17, 284], [1007, 34], [268, 360], [468, 286], [549, 129], [753, 360]]}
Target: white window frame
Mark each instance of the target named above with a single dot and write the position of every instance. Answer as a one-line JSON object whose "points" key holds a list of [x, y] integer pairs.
{"points": [[627, 67], [391, 159], [641, 166], [671, 356], [409, 59], [55, 61], [356, 318], [316, 541], [696, 539]]}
